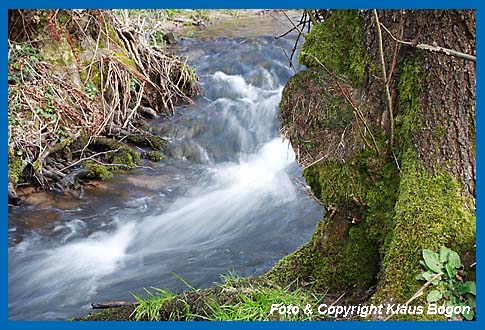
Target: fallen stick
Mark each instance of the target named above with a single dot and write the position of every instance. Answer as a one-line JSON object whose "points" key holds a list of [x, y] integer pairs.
{"points": [[112, 304]]}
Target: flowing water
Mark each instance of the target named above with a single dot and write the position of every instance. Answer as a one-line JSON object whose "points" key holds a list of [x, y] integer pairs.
{"points": [[224, 201]]}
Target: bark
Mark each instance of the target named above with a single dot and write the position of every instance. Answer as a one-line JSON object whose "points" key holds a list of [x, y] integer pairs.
{"points": [[446, 138]]}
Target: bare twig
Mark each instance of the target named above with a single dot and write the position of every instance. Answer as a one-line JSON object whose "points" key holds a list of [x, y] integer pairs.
{"points": [[312, 17], [432, 48], [294, 25], [386, 83], [418, 293], [90, 158], [307, 190], [338, 299]]}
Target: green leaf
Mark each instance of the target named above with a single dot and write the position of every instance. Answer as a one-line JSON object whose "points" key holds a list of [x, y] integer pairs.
{"points": [[454, 259], [467, 287], [471, 300], [468, 315], [434, 296], [444, 252], [426, 276], [20, 152], [432, 260], [450, 271]]}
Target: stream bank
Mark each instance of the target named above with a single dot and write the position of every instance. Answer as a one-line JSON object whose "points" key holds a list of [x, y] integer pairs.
{"points": [[81, 88]]}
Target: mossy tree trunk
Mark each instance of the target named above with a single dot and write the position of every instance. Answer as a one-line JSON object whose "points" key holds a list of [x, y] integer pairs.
{"points": [[444, 138], [382, 210]]}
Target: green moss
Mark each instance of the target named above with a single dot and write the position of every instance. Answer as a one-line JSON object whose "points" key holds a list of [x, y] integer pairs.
{"points": [[104, 143], [127, 157], [64, 143], [94, 75], [148, 141], [58, 53], [345, 250], [81, 142], [98, 171], [378, 219], [430, 212], [123, 157], [14, 166], [409, 91], [125, 59], [334, 182], [113, 36], [119, 51], [338, 44], [154, 156]]}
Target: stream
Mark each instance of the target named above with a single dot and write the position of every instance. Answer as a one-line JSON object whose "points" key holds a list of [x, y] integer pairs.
{"points": [[224, 201]]}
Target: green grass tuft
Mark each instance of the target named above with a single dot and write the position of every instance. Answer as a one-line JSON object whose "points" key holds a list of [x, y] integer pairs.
{"points": [[149, 308]]}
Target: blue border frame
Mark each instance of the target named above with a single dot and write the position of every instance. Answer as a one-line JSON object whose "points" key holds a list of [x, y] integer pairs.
{"points": [[235, 4]]}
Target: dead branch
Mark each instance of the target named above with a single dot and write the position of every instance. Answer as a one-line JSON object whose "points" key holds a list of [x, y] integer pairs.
{"points": [[417, 294], [90, 158], [307, 190], [386, 83], [294, 25], [432, 48]]}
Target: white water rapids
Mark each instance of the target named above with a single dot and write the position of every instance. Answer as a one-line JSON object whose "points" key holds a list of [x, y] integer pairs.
{"points": [[244, 205]]}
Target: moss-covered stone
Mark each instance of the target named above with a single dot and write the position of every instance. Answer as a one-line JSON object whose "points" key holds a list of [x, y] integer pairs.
{"points": [[337, 42], [98, 171], [154, 156], [127, 157], [58, 53], [122, 154], [119, 156], [148, 141]]}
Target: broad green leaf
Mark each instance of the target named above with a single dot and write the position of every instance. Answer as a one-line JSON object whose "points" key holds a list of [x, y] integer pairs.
{"points": [[426, 276], [467, 287], [450, 271], [454, 259], [444, 251], [434, 296], [471, 300], [432, 260], [468, 316]]}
